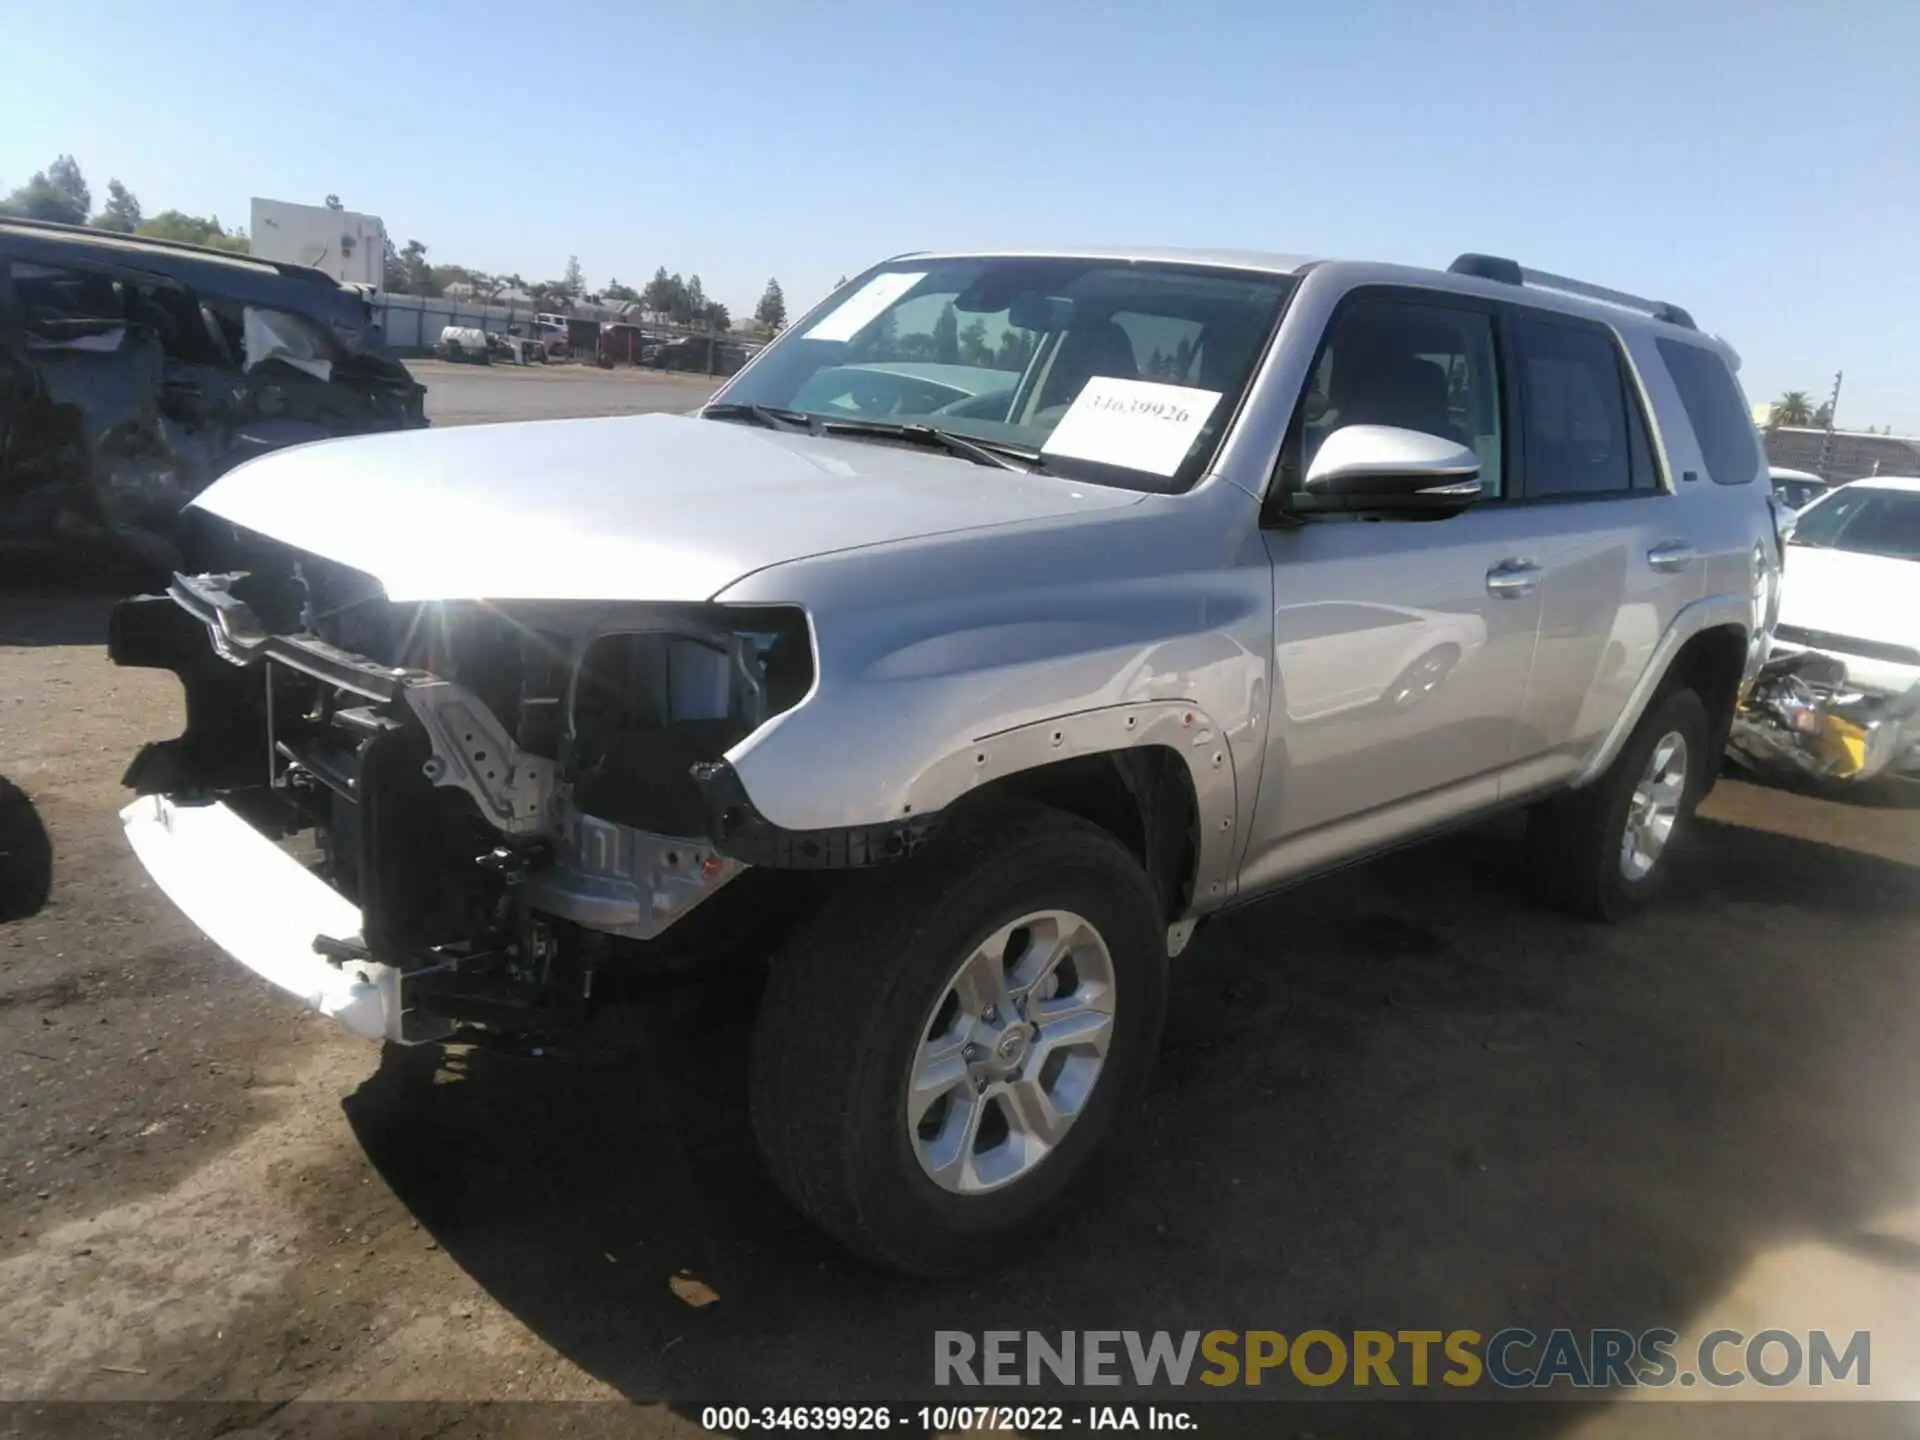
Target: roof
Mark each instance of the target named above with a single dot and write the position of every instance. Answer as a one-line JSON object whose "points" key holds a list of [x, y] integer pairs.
{"points": [[49, 231], [1265, 262], [1781, 472], [1539, 294], [1908, 483], [211, 274]]}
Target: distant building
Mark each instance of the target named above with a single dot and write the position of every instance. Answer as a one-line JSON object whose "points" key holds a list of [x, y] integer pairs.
{"points": [[347, 245], [1853, 454]]}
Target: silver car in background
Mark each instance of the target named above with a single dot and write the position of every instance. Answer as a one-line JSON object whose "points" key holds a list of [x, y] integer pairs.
{"points": [[1002, 621]]}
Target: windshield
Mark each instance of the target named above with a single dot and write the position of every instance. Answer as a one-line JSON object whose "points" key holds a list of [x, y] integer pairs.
{"points": [[1126, 374], [1865, 521]]}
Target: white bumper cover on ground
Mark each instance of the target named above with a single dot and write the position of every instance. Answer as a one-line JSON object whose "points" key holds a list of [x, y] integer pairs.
{"points": [[262, 907]]}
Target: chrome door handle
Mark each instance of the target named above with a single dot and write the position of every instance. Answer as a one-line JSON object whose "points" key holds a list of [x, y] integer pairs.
{"points": [[1512, 579], [1672, 556]]}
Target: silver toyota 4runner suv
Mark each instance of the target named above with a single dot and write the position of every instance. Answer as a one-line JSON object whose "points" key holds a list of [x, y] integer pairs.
{"points": [[1006, 618]]}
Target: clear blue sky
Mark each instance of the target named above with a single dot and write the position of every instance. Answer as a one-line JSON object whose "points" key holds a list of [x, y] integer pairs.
{"points": [[1758, 163]]}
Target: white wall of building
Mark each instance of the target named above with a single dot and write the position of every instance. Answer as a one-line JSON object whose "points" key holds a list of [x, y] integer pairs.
{"points": [[347, 245]]}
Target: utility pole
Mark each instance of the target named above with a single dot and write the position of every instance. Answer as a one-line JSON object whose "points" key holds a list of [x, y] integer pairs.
{"points": [[1826, 440]]}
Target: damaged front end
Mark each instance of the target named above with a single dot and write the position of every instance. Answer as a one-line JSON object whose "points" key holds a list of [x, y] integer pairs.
{"points": [[1802, 717], [424, 816]]}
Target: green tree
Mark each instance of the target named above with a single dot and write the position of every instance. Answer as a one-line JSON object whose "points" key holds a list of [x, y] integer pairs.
{"points": [[946, 336], [333, 203], [664, 293], [1015, 350], [772, 309], [58, 192], [122, 210], [65, 176], [625, 294], [1823, 417], [1795, 407], [419, 274], [574, 280], [974, 349], [194, 230]]}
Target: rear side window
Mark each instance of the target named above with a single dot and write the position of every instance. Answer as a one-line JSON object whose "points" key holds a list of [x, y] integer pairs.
{"points": [[1712, 402], [1574, 406]]}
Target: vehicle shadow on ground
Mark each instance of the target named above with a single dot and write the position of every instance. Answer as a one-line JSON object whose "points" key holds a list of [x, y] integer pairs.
{"points": [[26, 855], [1402, 1097], [72, 611], [1884, 792]]}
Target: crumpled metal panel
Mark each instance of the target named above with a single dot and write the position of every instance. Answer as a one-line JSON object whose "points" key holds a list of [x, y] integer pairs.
{"points": [[116, 411], [1802, 718]]}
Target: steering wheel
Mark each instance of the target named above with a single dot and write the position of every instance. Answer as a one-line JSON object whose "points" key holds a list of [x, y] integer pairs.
{"points": [[991, 406]]}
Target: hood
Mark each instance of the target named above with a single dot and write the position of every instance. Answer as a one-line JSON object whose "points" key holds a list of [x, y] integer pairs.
{"points": [[1870, 597], [642, 507]]}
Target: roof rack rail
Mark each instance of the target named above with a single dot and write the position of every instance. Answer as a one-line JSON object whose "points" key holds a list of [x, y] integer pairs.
{"points": [[1511, 272]]}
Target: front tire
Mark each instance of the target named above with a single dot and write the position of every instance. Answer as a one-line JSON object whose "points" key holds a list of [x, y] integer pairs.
{"points": [[942, 1051], [1603, 851]]}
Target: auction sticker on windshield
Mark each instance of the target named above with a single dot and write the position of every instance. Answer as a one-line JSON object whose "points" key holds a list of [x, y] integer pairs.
{"points": [[845, 320], [1140, 424]]}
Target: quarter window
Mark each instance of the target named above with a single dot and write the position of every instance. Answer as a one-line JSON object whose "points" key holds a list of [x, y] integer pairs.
{"points": [[1712, 401]]}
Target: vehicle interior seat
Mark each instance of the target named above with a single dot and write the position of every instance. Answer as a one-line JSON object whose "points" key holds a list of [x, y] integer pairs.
{"points": [[1099, 348], [1383, 386]]}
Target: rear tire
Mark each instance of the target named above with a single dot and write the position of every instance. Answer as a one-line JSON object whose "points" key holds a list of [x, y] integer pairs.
{"points": [[860, 1004], [1578, 844]]}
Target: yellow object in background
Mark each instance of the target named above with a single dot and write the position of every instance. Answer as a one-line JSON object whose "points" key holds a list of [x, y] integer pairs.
{"points": [[1842, 746]]}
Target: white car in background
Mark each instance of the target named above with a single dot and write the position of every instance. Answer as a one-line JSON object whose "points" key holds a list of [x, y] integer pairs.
{"points": [[1850, 591]]}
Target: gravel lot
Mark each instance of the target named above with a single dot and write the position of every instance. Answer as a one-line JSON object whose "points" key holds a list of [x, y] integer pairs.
{"points": [[476, 394], [1404, 1096]]}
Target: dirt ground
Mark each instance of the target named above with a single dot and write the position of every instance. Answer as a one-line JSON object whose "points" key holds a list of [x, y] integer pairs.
{"points": [[473, 394], [1404, 1096]]}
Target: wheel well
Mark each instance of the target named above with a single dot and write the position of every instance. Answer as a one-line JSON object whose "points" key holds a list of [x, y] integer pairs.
{"points": [[1143, 797], [1711, 664]]}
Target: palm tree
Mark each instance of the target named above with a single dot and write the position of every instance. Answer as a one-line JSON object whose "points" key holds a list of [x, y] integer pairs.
{"points": [[1793, 408]]}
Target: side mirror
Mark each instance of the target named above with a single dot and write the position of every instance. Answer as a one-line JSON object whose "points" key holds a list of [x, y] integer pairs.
{"points": [[1385, 470]]}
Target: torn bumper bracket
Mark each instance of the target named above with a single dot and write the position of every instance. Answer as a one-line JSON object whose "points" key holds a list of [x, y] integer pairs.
{"points": [[742, 833]]}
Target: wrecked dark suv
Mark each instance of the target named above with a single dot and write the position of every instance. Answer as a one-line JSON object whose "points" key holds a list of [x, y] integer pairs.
{"points": [[134, 372]]}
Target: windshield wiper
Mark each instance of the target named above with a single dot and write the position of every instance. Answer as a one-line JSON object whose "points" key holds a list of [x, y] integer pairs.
{"points": [[1002, 457], [793, 420]]}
